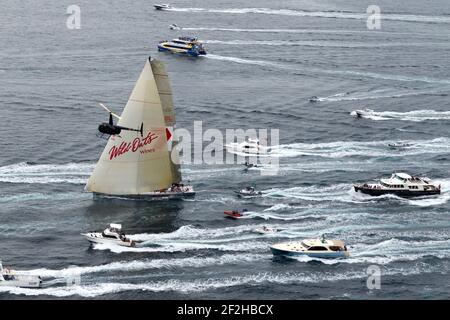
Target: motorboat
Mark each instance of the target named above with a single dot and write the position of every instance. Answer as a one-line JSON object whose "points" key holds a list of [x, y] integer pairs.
{"points": [[248, 192], [183, 45], [314, 99], [174, 27], [112, 234], [266, 230], [315, 248], [402, 185], [249, 146], [163, 6], [14, 278], [234, 214]]}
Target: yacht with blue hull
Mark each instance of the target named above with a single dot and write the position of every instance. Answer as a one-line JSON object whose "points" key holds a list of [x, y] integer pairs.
{"points": [[314, 248], [183, 45], [402, 185]]}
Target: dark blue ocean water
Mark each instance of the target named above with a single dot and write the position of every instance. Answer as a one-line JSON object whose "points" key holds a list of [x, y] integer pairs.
{"points": [[266, 59]]}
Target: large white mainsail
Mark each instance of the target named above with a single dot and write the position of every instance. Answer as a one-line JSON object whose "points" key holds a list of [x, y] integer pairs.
{"points": [[132, 164], [165, 95]]}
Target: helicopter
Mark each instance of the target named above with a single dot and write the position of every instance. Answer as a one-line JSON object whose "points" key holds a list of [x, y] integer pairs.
{"points": [[111, 129]]}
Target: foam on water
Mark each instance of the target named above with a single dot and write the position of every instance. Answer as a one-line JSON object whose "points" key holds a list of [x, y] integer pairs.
{"points": [[27, 173], [138, 265], [340, 149], [377, 94], [320, 14], [415, 115], [200, 285]]}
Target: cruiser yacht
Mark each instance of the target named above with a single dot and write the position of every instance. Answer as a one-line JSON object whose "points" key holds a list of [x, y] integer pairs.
{"points": [[112, 234], [316, 248], [402, 185]]}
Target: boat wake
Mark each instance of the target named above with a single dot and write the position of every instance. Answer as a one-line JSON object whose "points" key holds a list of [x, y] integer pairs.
{"points": [[415, 116], [341, 149], [29, 173], [319, 14], [148, 264], [262, 63], [346, 73], [376, 94], [211, 283]]}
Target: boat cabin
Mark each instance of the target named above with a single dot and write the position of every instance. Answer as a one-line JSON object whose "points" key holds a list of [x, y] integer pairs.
{"points": [[113, 231]]}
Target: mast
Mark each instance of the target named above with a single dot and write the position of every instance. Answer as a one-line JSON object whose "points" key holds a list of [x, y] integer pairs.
{"points": [[132, 164]]}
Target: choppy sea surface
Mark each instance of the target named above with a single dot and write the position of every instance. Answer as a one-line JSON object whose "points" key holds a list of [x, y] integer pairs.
{"points": [[266, 59]]}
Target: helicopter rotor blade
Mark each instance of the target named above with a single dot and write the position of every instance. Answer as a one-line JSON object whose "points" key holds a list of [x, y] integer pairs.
{"points": [[109, 111]]}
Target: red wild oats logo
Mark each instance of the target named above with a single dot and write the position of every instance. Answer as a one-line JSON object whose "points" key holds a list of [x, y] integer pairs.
{"points": [[138, 143]]}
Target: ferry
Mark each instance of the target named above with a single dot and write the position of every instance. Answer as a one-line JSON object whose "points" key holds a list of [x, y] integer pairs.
{"points": [[184, 45], [402, 185]]}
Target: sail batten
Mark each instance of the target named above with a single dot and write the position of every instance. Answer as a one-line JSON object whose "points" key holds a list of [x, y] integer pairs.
{"points": [[132, 164]]}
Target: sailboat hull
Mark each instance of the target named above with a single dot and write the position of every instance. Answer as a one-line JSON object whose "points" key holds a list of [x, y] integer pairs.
{"points": [[149, 196]]}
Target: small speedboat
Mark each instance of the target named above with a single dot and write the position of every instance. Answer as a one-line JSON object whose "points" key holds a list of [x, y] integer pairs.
{"points": [[249, 165], [265, 230], [314, 99], [402, 185], [315, 248], [174, 27], [399, 145], [361, 113], [183, 45], [234, 214], [162, 6], [14, 278], [248, 192], [110, 235], [249, 146]]}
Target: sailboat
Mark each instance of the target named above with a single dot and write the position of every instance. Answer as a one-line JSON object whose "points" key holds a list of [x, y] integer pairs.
{"points": [[142, 164]]}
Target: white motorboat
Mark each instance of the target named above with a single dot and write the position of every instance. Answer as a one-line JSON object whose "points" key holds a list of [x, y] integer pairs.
{"points": [[110, 235], [248, 192], [402, 185], [266, 230], [162, 6], [249, 146], [14, 278], [316, 248]]}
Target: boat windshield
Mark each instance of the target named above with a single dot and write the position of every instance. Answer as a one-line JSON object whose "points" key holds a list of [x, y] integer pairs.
{"points": [[317, 248], [305, 245]]}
